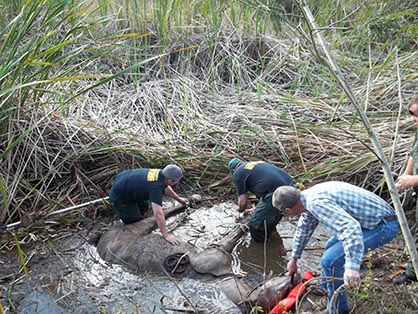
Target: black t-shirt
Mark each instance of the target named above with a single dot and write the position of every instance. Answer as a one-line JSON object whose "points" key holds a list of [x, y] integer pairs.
{"points": [[259, 178], [137, 185]]}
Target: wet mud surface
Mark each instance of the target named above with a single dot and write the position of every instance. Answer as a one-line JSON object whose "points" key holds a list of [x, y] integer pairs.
{"points": [[66, 275]]}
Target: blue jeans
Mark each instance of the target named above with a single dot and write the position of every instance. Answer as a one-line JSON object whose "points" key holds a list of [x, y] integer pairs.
{"points": [[333, 261]]}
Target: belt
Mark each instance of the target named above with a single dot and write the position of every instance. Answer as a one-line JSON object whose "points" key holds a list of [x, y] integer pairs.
{"points": [[390, 218]]}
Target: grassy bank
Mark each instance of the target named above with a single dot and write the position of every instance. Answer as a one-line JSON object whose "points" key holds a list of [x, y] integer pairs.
{"points": [[91, 88]]}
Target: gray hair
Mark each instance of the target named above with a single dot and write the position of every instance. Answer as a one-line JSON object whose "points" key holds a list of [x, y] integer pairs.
{"points": [[172, 172], [285, 197]]}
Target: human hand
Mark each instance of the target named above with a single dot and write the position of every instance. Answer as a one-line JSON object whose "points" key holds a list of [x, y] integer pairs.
{"points": [[172, 239], [352, 278], [249, 211], [238, 209], [183, 201], [292, 266], [403, 183]]}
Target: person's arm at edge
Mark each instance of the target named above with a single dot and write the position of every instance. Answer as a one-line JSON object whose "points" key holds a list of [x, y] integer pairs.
{"points": [[158, 213], [407, 179], [409, 169]]}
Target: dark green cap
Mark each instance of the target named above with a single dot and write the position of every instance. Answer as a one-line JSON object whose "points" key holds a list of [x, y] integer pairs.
{"points": [[233, 163]]}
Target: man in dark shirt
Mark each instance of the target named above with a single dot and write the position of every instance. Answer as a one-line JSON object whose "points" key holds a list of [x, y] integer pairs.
{"points": [[260, 178], [133, 191]]}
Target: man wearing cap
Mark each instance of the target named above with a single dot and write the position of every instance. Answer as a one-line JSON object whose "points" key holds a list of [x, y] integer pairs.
{"points": [[133, 191], [358, 220], [260, 178]]}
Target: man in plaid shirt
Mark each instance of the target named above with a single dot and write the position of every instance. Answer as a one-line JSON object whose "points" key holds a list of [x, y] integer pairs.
{"points": [[358, 220]]}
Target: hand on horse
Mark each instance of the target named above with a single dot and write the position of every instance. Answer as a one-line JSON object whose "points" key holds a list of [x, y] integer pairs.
{"points": [[172, 239]]}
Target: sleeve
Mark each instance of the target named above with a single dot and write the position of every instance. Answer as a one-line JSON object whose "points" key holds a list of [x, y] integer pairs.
{"points": [[239, 184], [306, 226], [344, 227], [414, 152], [414, 147], [156, 195]]}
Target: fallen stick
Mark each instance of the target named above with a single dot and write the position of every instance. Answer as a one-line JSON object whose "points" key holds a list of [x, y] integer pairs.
{"points": [[59, 211]]}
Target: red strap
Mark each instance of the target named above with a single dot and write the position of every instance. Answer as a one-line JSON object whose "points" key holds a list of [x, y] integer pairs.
{"points": [[296, 292]]}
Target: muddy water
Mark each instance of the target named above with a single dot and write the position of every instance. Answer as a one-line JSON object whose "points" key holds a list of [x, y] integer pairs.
{"points": [[92, 286]]}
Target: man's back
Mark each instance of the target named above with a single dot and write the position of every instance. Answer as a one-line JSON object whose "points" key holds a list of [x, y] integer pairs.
{"points": [[140, 184], [259, 177]]}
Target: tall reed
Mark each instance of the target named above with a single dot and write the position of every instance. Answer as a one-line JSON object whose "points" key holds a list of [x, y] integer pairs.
{"points": [[89, 89], [44, 48]]}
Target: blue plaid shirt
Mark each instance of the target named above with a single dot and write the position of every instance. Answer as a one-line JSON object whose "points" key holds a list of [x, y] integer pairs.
{"points": [[344, 210]]}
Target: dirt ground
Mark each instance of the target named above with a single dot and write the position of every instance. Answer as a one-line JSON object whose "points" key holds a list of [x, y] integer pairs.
{"points": [[45, 267], [377, 294]]}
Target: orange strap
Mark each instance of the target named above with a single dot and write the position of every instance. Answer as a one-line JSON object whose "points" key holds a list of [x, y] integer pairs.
{"points": [[290, 300]]}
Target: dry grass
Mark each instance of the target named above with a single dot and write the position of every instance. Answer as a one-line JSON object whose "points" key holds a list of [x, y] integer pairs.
{"points": [[217, 94], [200, 118]]}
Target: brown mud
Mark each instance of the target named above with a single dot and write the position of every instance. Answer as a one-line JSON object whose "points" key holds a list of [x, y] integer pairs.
{"points": [[62, 272]]}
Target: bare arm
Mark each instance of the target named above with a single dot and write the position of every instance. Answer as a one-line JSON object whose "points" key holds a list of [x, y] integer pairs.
{"points": [[409, 170], [171, 193], [242, 203], [407, 179], [160, 219]]}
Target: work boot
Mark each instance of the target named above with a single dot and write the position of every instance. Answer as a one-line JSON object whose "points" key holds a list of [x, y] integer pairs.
{"points": [[403, 278]]}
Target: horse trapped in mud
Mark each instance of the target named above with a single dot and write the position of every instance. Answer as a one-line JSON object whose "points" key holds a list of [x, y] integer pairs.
{"points": [[141, 252]]}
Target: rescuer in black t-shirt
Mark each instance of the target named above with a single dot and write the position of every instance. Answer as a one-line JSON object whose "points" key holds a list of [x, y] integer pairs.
{"points": [[260, 178], [133, 191]]}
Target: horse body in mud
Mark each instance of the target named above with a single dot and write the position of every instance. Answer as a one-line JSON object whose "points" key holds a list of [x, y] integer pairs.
{"points": [[142, 252]]}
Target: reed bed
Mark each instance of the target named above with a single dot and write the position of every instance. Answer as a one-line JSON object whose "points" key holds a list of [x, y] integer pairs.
{"points": [[137, 92], [88, 89]]}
